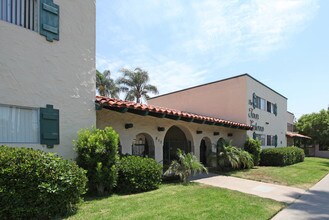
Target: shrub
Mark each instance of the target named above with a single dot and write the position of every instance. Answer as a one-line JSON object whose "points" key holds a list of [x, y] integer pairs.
{"points": [[254, 148], [38, 185], [281, 156], [185, 166], [98, 153], [138, 174], [230, 157]]}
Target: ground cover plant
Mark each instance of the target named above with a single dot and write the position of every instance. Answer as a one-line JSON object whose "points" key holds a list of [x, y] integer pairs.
{"points": [[38, 185], [302, 175], [176, 201], [98, 154]]}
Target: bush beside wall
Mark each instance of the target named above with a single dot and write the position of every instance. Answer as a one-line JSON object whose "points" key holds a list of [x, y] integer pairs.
{"points": [[138, 174], [98, 154], [38, 185], [254, 148], [281, 156]]}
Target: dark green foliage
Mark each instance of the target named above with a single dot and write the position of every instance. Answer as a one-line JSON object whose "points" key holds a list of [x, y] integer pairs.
{"points": [[38, 185], [138, 174], [105, 85], [185, 166], [281, 156], [316, 125], [98, 153], [254, 148], [230, 157], [135, 84]]}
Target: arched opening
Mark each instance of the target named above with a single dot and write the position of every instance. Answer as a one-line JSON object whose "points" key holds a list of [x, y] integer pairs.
{"points": [[143, 146], [205, 151], [175, 139]]}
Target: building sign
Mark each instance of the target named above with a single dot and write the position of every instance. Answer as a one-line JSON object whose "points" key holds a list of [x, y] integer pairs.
{"points": [[256, 126], [254, 116]]}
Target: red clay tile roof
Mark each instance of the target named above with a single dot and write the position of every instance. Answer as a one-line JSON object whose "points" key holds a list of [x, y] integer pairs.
{"points": [[293, 134], [112, 104]]}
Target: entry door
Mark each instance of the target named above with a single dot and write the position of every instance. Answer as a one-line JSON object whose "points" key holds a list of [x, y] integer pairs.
{"points": [[203, 153]]}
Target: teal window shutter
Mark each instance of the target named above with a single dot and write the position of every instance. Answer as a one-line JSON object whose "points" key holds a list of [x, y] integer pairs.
{"points": [[254, 135], [49, 126], [49, 20], [276, 140], [254, 100], [275, 109]]}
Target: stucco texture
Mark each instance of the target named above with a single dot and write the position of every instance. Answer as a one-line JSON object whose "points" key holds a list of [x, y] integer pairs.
{"points": [[149, 125], [35, 72]]}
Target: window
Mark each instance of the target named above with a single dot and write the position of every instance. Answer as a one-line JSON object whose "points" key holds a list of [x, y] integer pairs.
{"points": [[269, 140], [269, 107], [260, 103], [262, 138], [20, 12], [290, 127], [19, 125]]}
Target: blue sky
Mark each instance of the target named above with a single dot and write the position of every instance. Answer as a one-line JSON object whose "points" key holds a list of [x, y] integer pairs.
{"points": [[183, 43]]}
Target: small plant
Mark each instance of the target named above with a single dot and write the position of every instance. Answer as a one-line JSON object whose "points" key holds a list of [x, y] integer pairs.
{"points": [[230, 157], [138, 174], [38, 185], [254, 148], [98, 153], [185, 166]]}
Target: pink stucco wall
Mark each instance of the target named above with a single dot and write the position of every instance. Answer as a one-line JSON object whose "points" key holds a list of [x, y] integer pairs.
{"points": [[225, 99]]}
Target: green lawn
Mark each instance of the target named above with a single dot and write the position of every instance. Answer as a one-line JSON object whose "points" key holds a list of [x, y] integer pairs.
{"points": [[302, 175], [176, 201]]}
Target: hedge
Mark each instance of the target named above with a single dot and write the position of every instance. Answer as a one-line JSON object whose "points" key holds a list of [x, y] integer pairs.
{"points": [[281, 156], [254, 148], [138, 174], [38, 185], [98, 154]]}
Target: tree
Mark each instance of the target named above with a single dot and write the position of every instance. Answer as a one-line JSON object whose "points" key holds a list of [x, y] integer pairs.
{"points": [[106, 85], [316, 125], [135, 84], [185, 166]]}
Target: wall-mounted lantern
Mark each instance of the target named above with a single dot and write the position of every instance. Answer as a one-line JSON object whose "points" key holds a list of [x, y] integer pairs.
{"points": [[199, 132], [230, 135], [129, 125], [216, 133], [161, 129]]}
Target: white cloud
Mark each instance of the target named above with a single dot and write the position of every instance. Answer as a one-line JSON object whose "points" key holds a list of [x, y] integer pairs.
{"points": [[179, 42]]}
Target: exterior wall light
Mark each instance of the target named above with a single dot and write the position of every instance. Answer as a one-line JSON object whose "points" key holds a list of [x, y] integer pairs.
{"points": [[161, 129], [199, 132], [129, 125], [229, 135], [216, 133]]}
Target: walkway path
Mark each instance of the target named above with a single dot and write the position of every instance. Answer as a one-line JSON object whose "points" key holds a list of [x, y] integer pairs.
{"points": [[266, 190], [314, 204]]}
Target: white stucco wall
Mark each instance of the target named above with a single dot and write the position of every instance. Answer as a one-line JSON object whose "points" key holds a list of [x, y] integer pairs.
{"points": [[35, 72], [273, 125], [223, 99], [149, 125]]}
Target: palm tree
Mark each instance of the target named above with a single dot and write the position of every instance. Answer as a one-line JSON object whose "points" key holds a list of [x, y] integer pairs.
{"points": [[106, 85], [135, 84], [185, 166]]}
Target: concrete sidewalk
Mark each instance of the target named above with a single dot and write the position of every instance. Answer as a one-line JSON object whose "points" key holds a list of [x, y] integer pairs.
{"points": [[313, 205], [266, 190]]}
